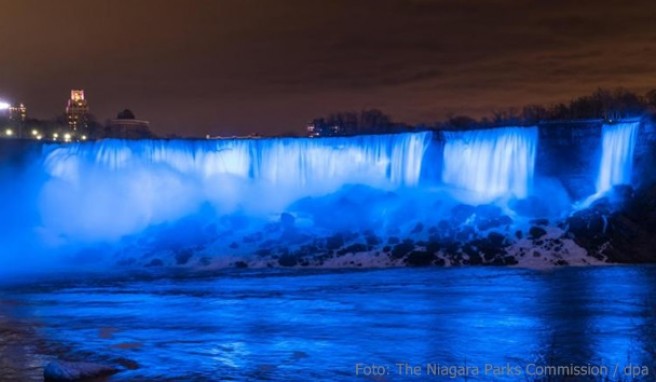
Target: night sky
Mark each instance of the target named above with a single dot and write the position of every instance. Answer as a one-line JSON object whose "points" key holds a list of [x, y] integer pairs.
{"points": [[234, 67]]}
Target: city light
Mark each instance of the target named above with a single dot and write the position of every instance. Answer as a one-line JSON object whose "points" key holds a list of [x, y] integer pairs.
{"points": [[35, 133], [9, 132], [67, 137], [39, 137], [84, 137], [4, 105], [55, 136]]}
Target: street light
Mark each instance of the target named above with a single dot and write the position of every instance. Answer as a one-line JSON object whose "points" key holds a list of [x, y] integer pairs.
{"points": [[9, 132]]}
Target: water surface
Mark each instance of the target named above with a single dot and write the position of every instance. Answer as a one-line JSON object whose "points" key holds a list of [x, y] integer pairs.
{"points": [[299, 325]]}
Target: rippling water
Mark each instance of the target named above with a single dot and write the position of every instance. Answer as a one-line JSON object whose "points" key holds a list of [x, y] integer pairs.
{"points": [[307, 326]]}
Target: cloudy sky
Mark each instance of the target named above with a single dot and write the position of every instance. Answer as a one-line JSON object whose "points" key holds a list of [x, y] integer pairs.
{"points": [[226, 67]]}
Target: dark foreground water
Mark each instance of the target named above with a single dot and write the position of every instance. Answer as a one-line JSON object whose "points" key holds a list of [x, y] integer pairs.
{"points": [[340, 326]]}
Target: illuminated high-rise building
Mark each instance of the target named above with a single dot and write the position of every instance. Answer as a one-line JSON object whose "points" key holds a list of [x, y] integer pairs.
{"points": [[18, 113], [77, 112]]}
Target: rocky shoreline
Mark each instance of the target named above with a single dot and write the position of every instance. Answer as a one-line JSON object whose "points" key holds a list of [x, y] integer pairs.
{"points": [[616, 228]]}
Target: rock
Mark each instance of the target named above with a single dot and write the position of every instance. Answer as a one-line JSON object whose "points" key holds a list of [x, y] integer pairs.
{"points": [[496, 239], [432, 246], [510, 260], [75, 371], [589, 228], [419, 259], [536, 232], [288, 260], [402, 249], [334, 242]]}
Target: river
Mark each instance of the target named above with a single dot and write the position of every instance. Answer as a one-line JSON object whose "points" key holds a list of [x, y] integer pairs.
{"points": [[300, 325]]}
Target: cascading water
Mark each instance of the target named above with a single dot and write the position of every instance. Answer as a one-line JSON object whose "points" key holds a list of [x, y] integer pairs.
{"points": [[489, 164], [618, 146], [111, 188]]}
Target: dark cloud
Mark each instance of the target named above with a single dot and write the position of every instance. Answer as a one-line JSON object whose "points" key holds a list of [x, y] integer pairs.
{"points": [[241, 66]]}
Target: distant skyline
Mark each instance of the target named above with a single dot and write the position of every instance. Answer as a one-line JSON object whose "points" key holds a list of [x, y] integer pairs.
{"points": [[237, 67]]}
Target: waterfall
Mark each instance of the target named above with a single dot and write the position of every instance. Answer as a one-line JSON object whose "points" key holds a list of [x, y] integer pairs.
{"points": [[618, 146], [491, 163], [118, 187]]}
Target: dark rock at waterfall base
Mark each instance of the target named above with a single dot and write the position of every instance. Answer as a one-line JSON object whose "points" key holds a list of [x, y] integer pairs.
{"points": [[60, 371], [372, 239], [536, 232], [288, 260], [619, 228], [588, 228], [334, 242], [419, 259], [402, 249]]}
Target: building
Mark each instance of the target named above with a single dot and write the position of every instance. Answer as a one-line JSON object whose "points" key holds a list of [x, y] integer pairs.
{"points": [[77, 113], [18, 113], [126, 126]]}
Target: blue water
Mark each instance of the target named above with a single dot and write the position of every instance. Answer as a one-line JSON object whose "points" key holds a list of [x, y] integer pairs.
{"points": [[300, 326], [488, 164], [103, 190], [104, 196], [618, 147]]}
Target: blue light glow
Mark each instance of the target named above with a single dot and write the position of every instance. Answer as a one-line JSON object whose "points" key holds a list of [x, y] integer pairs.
{"points": [[107, 189], [491, 163], [618, 146], [122, 194]]}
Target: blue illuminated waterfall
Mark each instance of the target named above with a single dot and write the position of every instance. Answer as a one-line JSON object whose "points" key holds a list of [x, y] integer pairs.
{"points": [[115, 187], [618, 146], [492, 163]]}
